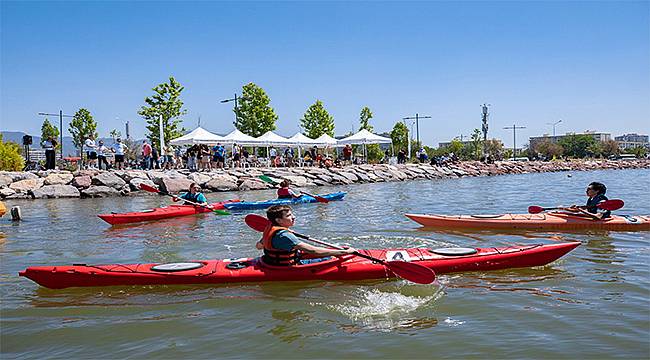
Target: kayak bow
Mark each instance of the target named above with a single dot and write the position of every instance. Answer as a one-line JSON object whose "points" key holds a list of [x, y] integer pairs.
{"points": [[164, 212]]}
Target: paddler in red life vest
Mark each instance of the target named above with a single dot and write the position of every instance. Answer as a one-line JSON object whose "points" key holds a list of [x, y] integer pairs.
{"points": [[285, 193], [282, 248], [193, 195]]}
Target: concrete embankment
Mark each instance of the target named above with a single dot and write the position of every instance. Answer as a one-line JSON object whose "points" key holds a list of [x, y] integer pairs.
{"points": [[94, 183]]}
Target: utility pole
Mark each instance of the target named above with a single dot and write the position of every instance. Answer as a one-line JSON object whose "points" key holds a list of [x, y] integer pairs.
{"points": [[61, 116], [485, 129], [235, 100], [514, 138], [417, 125], [554, 124], [127, 130]]}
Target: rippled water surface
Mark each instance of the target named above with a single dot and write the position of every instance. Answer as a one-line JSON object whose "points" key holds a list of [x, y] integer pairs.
{"points": [[592, 303]]}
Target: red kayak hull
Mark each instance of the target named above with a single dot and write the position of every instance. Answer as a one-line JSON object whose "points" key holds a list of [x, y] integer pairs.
{"points": [[165, 212], [546, 221], [348, 267]]}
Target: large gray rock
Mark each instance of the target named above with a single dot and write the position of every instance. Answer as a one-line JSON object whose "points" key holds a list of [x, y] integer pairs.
{"points": [[134, 174], [5, 180], [199, 178], [349, 175], [23, 186], [82, 182], [99, 191], [252, 184], [56, 191], [17, 176], [134, 184], [109, 179], [174, 185], [4, 192], [58, 179], [222, 183], [296, 180]]}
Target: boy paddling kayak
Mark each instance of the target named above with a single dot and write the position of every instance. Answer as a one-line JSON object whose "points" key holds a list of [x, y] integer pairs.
{"points": [[193, 196]]}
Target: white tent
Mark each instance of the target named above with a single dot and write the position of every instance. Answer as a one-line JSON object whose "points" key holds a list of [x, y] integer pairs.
{"points": [[271, 138], [196, 136], [239, 138], [365, 137], [326, 140], [301, 140]]}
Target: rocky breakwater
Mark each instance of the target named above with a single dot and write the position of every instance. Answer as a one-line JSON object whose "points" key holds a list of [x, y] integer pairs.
{"points": [[94, 183]]}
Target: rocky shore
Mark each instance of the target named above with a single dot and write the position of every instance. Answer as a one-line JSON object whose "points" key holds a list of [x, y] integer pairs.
{"points": [[95, 183]]}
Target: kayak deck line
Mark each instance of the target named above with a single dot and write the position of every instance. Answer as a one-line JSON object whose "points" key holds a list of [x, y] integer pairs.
{"points": [[163, 212], [347, 267], [304, 199]]}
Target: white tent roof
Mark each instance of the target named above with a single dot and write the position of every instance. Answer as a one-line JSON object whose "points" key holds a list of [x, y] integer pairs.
{"points": [[365, 137], [326, 140], [300, 139], [196, 136], [271, 138], [238, 137]]}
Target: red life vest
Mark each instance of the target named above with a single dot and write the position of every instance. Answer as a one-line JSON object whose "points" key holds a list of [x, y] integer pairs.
{"points": [[284, 193], [273, 256]]}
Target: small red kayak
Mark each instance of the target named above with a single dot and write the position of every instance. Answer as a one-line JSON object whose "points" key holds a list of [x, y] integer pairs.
{"points": [[164, 212], [348, 267]]}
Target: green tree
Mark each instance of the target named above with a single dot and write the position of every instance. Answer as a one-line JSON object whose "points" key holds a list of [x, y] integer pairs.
{"points": [[548, 149], [166, 102], [576, 145], [400, 136], [610, 148], [476, 144], [639, 151], [253, 114], [494, 149], [595, 150], [47, 130], [317, 121], [115, 134], [364, 119], [10, 158], [82, 127]]}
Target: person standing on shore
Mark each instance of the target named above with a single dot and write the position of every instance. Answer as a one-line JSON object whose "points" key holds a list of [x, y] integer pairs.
{"points": [[91, 151], [272, 155], [146, 155], [118, 148], [101, 155], [347, 154], [50, 154]]}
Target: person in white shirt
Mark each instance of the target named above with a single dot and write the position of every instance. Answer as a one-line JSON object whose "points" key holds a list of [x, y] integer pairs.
{"points": [[118, 148], [91, 151], [272, 154], [101, 155], [50, 158]]}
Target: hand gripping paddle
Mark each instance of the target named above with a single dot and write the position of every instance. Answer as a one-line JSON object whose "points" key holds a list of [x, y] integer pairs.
{"points": [[610, 205]]}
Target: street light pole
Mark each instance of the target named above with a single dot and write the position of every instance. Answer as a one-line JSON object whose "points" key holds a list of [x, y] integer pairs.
{"points": [[417, 124], [484, 108], [554, 124], [235, 100], [61, 116], [514, 138]]}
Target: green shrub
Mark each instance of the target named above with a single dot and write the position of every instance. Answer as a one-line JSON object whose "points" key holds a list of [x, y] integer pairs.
{"points": [[10, 159]]}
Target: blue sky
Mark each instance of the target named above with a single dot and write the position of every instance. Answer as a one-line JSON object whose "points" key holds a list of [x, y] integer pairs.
{"points": [[587, 63]]}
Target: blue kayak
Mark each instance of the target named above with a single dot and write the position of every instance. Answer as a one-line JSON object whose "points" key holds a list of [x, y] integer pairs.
{"points": [[245, 205]]}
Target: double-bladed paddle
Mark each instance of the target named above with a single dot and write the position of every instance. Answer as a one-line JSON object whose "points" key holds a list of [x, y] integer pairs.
{"points": [[320, 199], [152, 189], [410, 271], [610, 205]]}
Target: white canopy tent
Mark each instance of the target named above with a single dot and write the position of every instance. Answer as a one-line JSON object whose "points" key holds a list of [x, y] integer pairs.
{"points": [[302, 140], [239, 138], [326, 140], [364, 137], [196, 136], [271, 138]]}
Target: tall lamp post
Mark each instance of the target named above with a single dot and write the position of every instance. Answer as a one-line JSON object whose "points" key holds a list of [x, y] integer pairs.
{"points": [[554, 124], [235, 99], [484, 118], [514, 138], [417, 118], [61, 116]]}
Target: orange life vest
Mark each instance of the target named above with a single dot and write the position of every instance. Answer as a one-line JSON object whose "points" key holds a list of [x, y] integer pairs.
{"points": [[273, 256]]}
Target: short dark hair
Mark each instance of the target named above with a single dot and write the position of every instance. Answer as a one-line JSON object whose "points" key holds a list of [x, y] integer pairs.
{"points": [[285, 183], [277, 211], [600, 188]]}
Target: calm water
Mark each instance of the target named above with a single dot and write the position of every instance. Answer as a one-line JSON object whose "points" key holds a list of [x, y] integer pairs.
{"points": [[592, 303]]}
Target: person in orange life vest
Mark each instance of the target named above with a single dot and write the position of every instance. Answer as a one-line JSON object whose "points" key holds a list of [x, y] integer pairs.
{"points": [[281, 247], [285, 193]]}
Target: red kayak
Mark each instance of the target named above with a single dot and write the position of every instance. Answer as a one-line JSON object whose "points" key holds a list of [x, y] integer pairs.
{"points": [[164, 212], [348, 267]]}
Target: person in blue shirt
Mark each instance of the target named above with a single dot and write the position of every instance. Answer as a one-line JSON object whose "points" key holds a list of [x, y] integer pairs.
{"points": [[282, 248], [596, 194], [193, 195]]}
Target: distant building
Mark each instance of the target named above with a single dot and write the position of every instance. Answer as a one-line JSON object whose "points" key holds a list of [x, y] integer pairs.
{"points": [[629, 141], [448, 143], [598, 136]]}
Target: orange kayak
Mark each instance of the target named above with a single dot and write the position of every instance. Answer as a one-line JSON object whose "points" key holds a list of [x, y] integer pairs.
{"points": [[547, 221]]}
